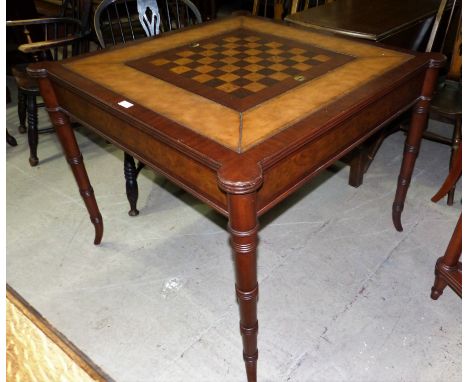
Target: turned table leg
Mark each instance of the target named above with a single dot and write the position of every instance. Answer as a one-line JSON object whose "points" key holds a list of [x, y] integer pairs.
{"points": [[131, 185], [413, 142], [67, 139], [243, 226]]}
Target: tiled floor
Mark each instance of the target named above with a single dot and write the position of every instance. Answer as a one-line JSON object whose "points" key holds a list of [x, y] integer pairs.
{"points": [[343, 296]]}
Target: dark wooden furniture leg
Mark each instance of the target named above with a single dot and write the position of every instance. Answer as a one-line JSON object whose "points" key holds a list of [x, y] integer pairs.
{"points": [[72, 152], [33, 136], [452, 178], [413, 141], [456, 139], [358, 165], [448, 269], [22, 111], [243, 226], [131, 185], [10, 139]]}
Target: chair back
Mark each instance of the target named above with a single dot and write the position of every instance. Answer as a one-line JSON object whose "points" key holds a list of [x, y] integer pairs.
{"points": [[54, 38], [121, 21], [78, 9]]}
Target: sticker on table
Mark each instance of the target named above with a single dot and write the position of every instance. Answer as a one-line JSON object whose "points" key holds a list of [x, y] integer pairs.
{"points": [[125, 104]]}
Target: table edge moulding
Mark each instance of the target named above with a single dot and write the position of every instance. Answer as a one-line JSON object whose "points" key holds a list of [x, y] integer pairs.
{"points": [[261, 154]]}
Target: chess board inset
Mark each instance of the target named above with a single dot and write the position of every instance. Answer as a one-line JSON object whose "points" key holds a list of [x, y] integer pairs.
{"points": [[242, 68]]}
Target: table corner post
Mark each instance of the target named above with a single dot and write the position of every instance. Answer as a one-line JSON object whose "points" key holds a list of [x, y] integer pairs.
{"points": [[67, 139], [417, 126], [241, 184]]}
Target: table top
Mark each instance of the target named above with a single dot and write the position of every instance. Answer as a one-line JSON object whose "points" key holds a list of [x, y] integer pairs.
{"points": [[238, 81], [368, 19], [231, 104]]}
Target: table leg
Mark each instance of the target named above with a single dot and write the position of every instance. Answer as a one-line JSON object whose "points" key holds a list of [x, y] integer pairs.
{"points": [[413, 141], [72, 152], [131, 185], [243, 226]]}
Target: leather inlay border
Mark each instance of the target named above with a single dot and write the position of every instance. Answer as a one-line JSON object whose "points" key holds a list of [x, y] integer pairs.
{"points": [[237, 131]]}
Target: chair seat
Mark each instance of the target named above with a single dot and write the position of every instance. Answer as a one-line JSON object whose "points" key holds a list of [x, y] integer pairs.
{"points": [[448, 99], [23, 80]]}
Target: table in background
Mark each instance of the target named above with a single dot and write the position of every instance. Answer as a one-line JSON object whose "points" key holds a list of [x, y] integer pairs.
{"points": [[395, 22], [239, 112]]}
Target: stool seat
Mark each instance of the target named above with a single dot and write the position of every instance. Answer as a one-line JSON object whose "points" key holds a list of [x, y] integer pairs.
{"points": [[23, 80], [448, 99]]}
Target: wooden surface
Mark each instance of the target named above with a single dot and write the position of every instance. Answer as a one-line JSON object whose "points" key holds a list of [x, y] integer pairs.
{"points": [[37, 351], [369, 19], [240, 159]]}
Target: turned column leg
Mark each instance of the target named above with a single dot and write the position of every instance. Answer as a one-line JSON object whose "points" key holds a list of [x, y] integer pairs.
{"points": [[70, 147], [413, 142], [243, 227], [131, 185], [21, 111], [33, 136], [449, 262]]}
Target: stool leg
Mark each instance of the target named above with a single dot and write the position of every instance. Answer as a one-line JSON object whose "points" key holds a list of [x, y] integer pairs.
{"points": [[131, 184], [11, 139], [22, 111], [33, 136]]}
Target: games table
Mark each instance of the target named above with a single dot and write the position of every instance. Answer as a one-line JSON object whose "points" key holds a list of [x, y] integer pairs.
{"points": [[239, 112]]}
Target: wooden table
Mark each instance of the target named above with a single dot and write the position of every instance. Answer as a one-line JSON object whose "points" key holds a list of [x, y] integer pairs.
{"points": [[395, 22], [240, 112]]}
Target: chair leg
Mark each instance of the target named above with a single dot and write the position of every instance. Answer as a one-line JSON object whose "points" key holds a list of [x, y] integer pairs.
{"points": [[452, 177], [11, 139], [22, 111], [33, 136], [131, 185], [456, 139], [448, 265]]}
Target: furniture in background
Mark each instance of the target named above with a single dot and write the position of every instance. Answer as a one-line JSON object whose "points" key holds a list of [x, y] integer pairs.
{"points": [[54, 38], [394, 22], [9, 138], [447, 103], [44, 38], [278, 9], [120, 21], [448, 269], [239, 136], [405, 24]]}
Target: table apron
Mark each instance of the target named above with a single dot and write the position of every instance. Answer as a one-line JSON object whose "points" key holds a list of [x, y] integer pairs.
{"points": [[191, 175], [296, 168]]}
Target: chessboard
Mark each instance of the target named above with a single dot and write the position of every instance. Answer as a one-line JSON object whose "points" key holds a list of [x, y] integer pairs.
{"points": [[240, 69]]}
